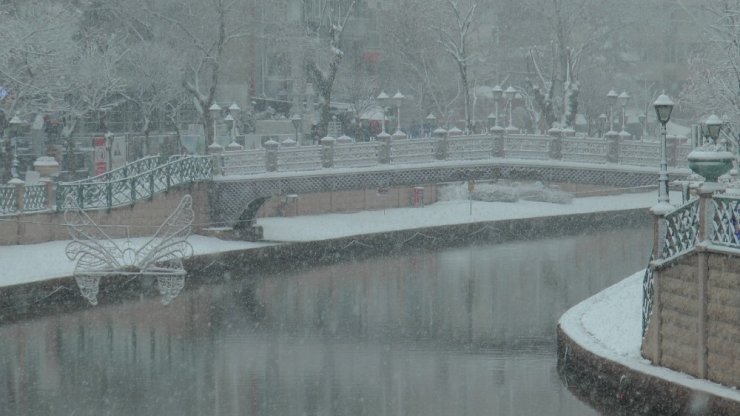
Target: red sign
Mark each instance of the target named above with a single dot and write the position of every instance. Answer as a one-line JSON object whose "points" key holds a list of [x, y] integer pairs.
{"points": [[100, 156]]}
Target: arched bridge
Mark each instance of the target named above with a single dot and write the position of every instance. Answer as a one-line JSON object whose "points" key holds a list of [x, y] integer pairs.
{"points": [[249, 177], [242, 180]]}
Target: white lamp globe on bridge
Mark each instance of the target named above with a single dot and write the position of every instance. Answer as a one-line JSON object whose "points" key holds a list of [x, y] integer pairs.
{"points": [[714, 125], [611, 97], [623, 98], [711, 160], [663, 108]]}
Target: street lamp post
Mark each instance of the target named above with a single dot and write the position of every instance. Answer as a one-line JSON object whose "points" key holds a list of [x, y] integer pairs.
{"points": [[663, 107], [230, 120], [509, 93], [109, 149], [382, 100], [497, 93], [297, 123], [611, 99], [215, 110], [397, 100], [623, 100], [15, 123]]}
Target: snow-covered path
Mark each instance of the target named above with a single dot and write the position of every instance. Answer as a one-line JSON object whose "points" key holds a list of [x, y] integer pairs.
{"points": [[35, 262]]}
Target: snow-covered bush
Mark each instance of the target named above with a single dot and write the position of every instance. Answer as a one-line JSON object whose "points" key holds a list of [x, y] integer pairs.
{"points": [[505, 191]]}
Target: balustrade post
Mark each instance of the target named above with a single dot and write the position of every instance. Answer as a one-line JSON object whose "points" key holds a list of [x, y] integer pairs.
{"points": [[271, 155], [81, 196], [555, 148], [20, 191], [652, 348], [327, 151], [706, 212], [151, 184], [384, 148], [497, 141], [441, 144], [50, 192], [612, 153]]}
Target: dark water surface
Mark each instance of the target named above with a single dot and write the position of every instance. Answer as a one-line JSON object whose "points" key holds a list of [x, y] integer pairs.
{"points": [[457, 331]]}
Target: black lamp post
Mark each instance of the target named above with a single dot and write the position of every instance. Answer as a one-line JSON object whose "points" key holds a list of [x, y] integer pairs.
{"points": [[497, 94], [663, 108], [611, 99], [297, 123], [713, 126], [109, 149], [15, 124]]}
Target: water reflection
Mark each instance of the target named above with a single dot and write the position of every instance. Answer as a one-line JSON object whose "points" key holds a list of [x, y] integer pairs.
{"points": [[464, 331]]}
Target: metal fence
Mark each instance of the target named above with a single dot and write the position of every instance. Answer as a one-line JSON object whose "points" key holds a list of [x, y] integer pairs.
{"points": [[123, 186], [128, 190]]}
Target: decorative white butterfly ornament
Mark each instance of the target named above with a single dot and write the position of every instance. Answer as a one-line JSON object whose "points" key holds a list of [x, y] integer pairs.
{"points": [[98, 255]]}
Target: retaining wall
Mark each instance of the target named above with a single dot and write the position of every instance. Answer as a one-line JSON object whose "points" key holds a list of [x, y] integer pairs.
{"points": [[695, 322], [142, 218]]}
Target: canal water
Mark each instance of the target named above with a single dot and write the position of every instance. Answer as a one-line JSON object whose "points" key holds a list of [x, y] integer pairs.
{"points": [[454, 331]]}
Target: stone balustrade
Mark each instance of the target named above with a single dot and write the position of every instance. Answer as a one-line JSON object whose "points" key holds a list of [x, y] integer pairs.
{"points": [[333, 153]]}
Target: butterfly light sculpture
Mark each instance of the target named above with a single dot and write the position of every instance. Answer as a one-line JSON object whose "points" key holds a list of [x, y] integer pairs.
{"points": [[97, 255]]}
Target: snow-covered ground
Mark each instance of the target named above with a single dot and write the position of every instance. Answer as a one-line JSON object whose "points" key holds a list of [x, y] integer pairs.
{"points": [[35, 262], [322, 227], [609, 325]]}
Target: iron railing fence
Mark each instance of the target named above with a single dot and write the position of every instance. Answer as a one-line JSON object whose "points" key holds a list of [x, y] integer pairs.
{"points": [[128, 190], [130, 169]]}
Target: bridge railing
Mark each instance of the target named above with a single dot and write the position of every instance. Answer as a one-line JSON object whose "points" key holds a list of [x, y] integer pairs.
{"points": [[298, 158], [469, 147], [412, 151], [586, 150], [356, 155], [243, 162], [126, 191], [330, 153], [133, 168]]}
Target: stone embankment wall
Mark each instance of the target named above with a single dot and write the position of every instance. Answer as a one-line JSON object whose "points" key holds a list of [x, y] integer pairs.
{"points": [[695, 322], [141, 219], [348, 201]]}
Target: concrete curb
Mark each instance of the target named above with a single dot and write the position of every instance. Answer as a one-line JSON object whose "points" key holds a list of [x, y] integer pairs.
{"points": [[614, 389]]}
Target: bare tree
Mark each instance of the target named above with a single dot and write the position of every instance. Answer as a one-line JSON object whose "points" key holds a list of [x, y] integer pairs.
{"points": [[153, 74], [200, 33], [454, 40], [713, 85], [323, 78]]}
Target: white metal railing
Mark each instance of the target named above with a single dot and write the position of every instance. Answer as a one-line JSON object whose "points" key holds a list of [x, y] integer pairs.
{"points": [[584, 150], [524, 146], [639, 153], [244, 162], [412, 151], [469, 147], [299, 158], [356, 155]]}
